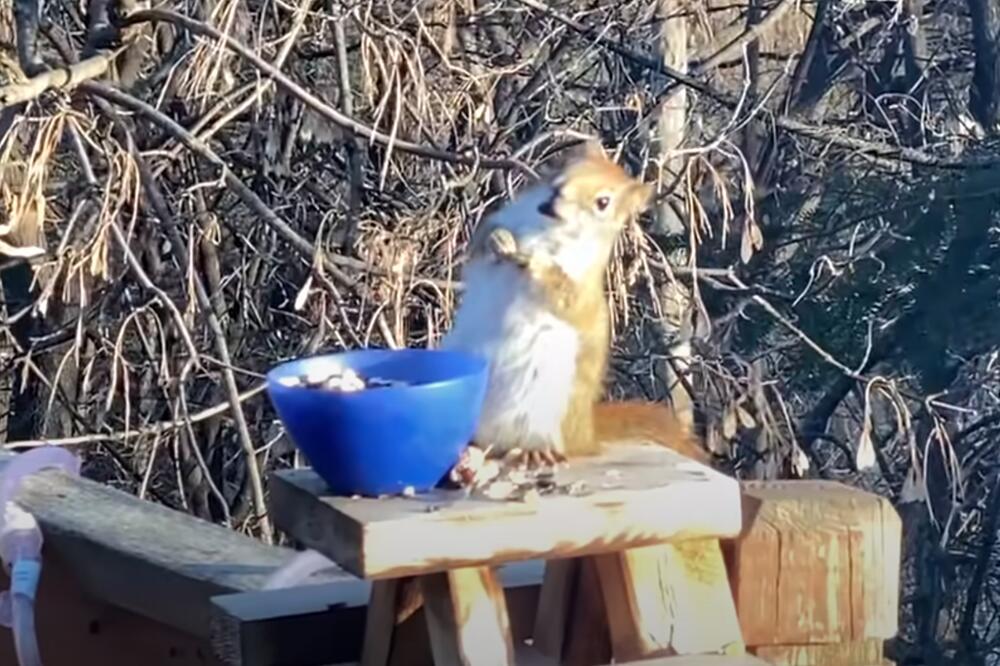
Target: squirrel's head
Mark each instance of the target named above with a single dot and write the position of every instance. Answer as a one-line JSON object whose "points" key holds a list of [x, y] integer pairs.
{"points": [[593, 189]]}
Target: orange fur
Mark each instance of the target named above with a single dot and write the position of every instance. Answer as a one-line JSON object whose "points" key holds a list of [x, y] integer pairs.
{"points": [[648, 421], [592, 197]]}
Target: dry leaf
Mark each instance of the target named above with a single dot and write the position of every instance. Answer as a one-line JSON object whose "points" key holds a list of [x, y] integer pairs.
{"points": [[914, 488], [756, 237], [865, 457], [746, 419], [303, 295], [800, 462], [729, 424], [746, 246], [716, 444], [752, 239]]}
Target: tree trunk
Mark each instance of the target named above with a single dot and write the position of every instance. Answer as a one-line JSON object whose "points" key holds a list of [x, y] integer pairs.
{"points": [[984, 100], [675, 296]]}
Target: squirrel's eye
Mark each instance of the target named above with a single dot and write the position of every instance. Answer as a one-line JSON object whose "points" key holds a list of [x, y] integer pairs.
{"points": [[602, 202]]}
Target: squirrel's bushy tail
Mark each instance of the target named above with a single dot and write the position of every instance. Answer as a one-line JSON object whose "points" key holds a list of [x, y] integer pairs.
{"points": [[649, 421]]}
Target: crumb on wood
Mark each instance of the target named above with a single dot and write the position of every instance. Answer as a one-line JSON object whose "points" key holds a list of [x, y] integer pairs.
{"points": [[505, 480]]}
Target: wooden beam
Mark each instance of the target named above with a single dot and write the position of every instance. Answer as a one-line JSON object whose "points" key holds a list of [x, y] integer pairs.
{"points": [[467, 618], [74, 629], [281, 626], [697, 660], [268, 627], [851, 653], [671, 598], [144, 557], [817, 563], [626, 505]]}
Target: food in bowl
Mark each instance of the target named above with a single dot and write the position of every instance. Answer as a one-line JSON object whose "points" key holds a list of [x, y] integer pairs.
{"points": [[377, 421], [336, 378]]}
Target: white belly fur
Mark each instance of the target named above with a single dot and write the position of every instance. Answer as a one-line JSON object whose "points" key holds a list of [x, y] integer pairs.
{"points": [[532, 356]]}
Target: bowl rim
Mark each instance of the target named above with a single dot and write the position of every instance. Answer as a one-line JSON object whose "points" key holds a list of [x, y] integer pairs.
{"points": [[273, 374]]}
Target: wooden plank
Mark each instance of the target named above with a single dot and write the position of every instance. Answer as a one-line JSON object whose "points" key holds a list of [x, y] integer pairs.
{"points": [[74, 629], [571, 625], [144, 557], [698, 660], [528, 656], [555, 602], [672, 598], [380, 623], [467, 618], [852, 653], [268, 627], [588, 639], [392, 537], [817, 562]]}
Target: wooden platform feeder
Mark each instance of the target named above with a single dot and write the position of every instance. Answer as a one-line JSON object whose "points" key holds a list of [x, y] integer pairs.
{"points": [[813, 578], [647, 530]]}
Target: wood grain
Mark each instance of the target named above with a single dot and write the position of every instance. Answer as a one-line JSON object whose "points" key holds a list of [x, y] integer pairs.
{"points": [[380, 623], [74, 629], [634, 491], [144, 557], [852, 653], [571, 625], [467, 618], [669, 599], [555, 600], [817, 562], [268, 627]]}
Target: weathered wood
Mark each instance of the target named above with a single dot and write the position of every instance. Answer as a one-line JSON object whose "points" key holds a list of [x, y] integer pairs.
{"points": [[588, 640], [467, 618], [698, 660], [380, 622], [571, 625], [853, 653], [555, 602], [166, 565], [528, 656], [392, 537], [74, 629], [817, 562], [270, 627], [669, 599], [144, 557]]}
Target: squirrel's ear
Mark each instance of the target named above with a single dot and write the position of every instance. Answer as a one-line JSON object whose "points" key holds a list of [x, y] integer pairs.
{"points": [[592, 148], [641, 195]]}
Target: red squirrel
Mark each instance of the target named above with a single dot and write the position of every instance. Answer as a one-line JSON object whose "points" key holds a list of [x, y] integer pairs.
{"points": [[534, 305]]}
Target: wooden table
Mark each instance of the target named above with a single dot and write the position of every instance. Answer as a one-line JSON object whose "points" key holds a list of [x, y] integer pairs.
{"points": [[637, 556]]}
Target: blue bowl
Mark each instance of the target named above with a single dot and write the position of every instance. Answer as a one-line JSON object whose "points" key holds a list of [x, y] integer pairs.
{"points": [[381, 440]]}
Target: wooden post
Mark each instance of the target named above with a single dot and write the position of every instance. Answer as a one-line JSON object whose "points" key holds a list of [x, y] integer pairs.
{"points": [[674, 598], [467, 618], [571, 624], [675, 298], [380, 623], [815, 573]]}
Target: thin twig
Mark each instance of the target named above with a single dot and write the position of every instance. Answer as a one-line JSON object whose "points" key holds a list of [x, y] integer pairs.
{"points": [[160, 428], [318, 105], [158, 204], [821, 134], [63, 78], [248, 196], [161, 295]]}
